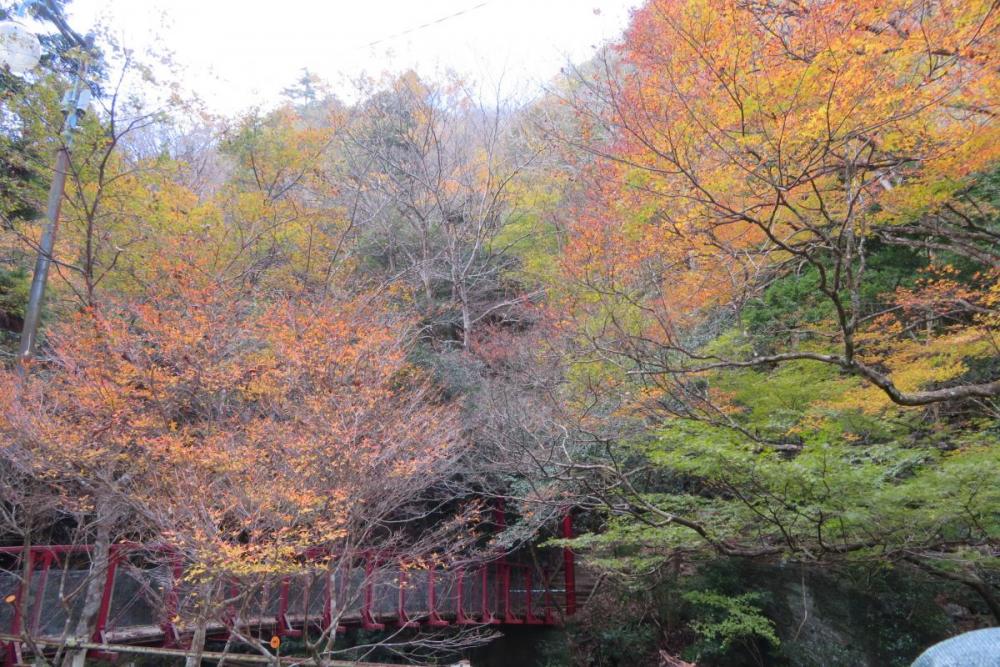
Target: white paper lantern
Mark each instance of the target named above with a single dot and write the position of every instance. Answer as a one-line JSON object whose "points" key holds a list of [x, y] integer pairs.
{"points": [[19, 48]]}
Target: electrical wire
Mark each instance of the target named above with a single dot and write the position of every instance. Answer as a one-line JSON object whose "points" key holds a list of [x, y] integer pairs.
{"points": [[429, 24]]}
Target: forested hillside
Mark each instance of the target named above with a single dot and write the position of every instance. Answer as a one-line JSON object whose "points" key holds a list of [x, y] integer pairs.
{"points": [[726, 295]]}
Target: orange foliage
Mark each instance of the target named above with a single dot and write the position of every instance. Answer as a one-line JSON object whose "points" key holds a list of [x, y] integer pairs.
{"points": [[743, 140], [240, 431], [744, 132]]}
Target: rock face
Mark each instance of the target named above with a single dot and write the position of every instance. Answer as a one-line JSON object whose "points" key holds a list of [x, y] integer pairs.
{"points": [[850, 617], [826, 619], [812, 632]]}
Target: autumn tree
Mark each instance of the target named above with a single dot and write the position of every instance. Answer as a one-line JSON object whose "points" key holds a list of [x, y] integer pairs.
{"points": [[779, 299], [298, 424], [762, 139]]}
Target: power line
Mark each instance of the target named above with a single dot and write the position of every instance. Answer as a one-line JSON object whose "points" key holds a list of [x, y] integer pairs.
{"points": [[429, 24]]}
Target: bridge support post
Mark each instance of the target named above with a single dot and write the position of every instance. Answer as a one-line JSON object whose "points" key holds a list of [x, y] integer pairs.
{"points": [[367, 617], [47, 558], [503, 567], [329, 595], [285, 628], [508, 610], [460, 617], [11, 651], [433, 618], [104, 610], [488, 615], [403, 619]]}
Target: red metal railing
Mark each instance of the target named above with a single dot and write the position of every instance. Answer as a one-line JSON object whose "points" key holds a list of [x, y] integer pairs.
{"points": [[497, 592]]}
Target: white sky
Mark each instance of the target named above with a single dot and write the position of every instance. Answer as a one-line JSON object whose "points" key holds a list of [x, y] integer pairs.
{"points": [[235, 53]]}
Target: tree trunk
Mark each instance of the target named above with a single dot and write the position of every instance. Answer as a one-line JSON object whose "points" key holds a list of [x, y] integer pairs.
{"points": [[425, 278], [197, 647], [99, 561], [466, 326], [197, 644]]}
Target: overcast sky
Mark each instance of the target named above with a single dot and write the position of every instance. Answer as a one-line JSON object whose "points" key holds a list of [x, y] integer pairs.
{"points": [[240, 53]]}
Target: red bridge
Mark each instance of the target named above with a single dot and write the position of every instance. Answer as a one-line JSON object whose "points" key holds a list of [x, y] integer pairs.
{"points": [[146, 601]]}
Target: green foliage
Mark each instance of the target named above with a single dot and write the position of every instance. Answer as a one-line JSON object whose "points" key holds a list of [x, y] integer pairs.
{"points": [[800, 460], [17, 178], [14, 285], [794, 303], [531, 237], [616, 645], [777, 401], [724, 622], [621, 626]]}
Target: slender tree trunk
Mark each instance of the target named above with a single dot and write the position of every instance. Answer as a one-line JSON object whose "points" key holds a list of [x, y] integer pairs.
{"points": [[466, 325], [425, 278], [205, 596], [197, 644], [100, 559]]}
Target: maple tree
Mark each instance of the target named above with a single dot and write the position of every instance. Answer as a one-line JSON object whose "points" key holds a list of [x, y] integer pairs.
{"points": [[777, 299], [297, 423], [761, 139]]}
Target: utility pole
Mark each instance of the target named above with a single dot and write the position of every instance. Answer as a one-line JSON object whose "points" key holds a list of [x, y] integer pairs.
{"points": [[74, 103]]}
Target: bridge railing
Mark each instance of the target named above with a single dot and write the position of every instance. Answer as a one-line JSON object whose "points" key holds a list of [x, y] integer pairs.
{"points": [[145, 599]]}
